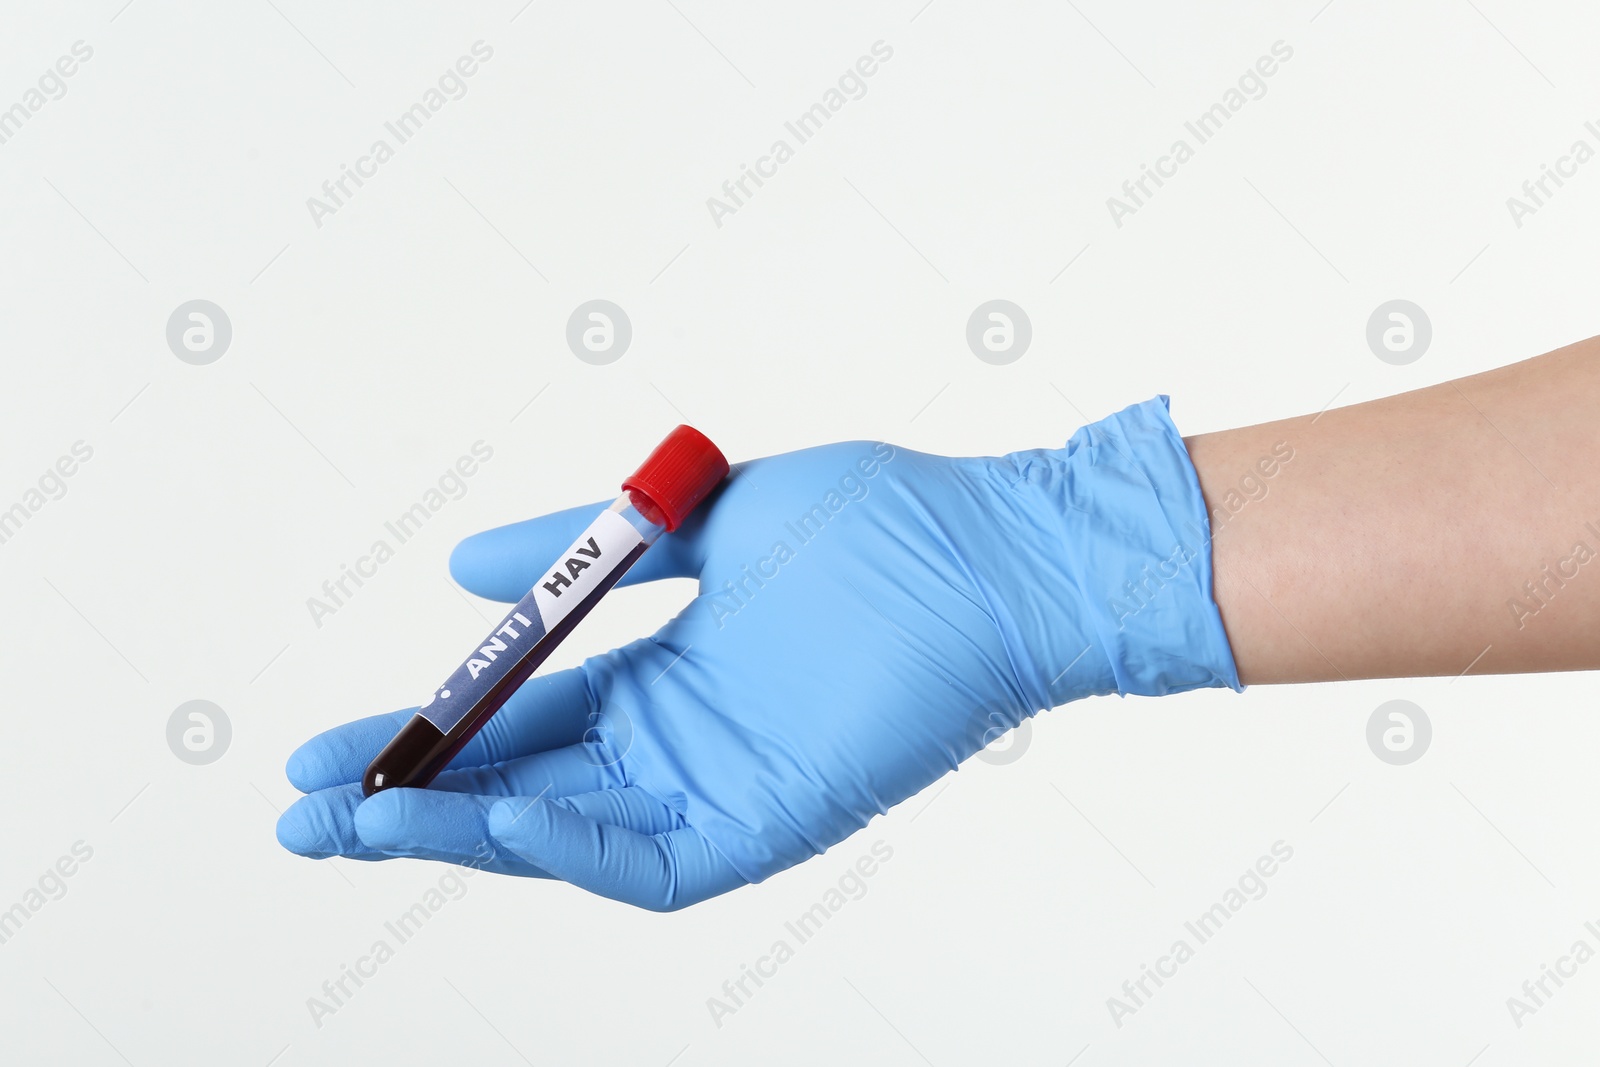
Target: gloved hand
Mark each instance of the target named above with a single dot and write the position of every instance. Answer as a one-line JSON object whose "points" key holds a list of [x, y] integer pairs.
{"points": [[868, 618]]}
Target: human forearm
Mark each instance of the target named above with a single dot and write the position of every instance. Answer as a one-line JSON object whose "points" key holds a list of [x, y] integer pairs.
{"points": [[1397, 538]]}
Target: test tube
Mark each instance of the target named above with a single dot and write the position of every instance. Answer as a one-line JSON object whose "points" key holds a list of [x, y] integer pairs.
{"points": [[656, 498]]}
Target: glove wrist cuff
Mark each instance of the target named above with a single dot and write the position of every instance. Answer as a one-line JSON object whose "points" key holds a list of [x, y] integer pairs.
{"points": [[1131, 535]]}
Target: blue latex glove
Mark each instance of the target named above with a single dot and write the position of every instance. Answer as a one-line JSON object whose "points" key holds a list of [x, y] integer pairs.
{"points": [[868, 618]]}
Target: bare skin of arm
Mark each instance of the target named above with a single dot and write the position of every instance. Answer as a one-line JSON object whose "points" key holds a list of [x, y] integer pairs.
{"points": [[1449, 530]]}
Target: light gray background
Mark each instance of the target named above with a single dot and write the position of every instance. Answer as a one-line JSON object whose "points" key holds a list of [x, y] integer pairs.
{"points": [[427, 314]]}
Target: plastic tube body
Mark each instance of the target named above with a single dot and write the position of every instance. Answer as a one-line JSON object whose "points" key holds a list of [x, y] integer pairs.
{"points": [[514, 649]]}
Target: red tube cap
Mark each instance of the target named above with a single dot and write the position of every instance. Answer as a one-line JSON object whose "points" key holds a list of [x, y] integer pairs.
{"points": [[684, 467]]}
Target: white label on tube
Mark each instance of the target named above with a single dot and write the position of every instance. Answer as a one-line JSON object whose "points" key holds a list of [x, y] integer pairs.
{"points": [[596, 553]]}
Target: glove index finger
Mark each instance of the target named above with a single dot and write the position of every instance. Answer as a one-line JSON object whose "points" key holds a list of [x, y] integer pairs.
{"points": [[505, 562], [340, 755]]}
